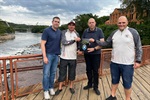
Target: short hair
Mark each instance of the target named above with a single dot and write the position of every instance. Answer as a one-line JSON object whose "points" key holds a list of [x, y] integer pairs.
{"points": [[56, 18]]}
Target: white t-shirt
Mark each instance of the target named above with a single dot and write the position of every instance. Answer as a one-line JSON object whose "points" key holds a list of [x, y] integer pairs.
{"points": [[123, 47], [69, 51]]}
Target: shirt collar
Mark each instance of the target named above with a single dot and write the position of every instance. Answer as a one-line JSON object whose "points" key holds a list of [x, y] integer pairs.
{"points": [[124, 29], [93, 30], [71, 32], [53, 29]]}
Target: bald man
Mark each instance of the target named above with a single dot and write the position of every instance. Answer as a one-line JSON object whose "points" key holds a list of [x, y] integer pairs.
{"points": [[126, 55], [92, 54]]}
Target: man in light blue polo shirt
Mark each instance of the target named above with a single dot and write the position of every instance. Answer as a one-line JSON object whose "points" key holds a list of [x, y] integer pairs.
{"points": [[50, 45]]}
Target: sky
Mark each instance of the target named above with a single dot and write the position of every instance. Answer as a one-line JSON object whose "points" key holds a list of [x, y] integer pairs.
{"points": [[41, 12]]}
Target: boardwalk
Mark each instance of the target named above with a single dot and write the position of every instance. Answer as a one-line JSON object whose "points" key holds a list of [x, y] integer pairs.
{"points": [[140, 86]]}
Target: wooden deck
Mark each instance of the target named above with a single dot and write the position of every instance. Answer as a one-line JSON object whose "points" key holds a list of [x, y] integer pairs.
{"points": [[140, 86]]}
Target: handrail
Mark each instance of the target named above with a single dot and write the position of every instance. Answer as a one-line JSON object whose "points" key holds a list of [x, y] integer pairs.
{"points": [[14, 69]]}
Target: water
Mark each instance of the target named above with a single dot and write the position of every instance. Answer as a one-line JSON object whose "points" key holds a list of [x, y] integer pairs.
{"points": [[20, 44]]}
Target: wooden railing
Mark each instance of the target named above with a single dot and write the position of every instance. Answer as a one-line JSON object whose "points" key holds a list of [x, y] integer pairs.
{"points": [[26, 63]]}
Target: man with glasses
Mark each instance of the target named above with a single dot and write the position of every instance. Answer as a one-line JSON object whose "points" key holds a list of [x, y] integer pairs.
{"points": [[50, 45], [126, 55]]}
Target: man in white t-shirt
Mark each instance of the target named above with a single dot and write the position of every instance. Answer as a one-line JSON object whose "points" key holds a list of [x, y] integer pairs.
{"points": [[69, 41], [126, 55]]}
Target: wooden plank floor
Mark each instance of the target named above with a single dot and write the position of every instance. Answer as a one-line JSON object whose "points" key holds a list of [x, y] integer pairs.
{"points": [[140, 86]]}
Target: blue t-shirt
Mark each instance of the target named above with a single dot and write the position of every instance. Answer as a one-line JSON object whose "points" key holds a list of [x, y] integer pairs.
{"points": [[97, 34], [53, 39]]}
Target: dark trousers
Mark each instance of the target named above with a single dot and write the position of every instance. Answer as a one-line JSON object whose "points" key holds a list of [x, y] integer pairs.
{"points": [[92, 66]]}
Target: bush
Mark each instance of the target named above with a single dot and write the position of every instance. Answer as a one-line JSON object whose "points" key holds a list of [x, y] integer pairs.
{"points": [[143, 30], [107, 29], [5, 29], [38, 29]]}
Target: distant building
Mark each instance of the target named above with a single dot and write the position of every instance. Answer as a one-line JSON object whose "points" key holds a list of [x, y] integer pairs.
{"points": [[129, 12]]}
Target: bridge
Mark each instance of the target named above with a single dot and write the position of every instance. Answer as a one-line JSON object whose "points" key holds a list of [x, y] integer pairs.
{"points": [[30, 67]]}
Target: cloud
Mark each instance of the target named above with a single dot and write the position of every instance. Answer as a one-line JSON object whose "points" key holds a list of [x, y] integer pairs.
{"points": [[42, 11]]}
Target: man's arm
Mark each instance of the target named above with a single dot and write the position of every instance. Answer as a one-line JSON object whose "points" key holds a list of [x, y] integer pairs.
{"points": [[138, 47], [64, 41], [104, 43], [138, 51], [99, 47], [43, 42]]}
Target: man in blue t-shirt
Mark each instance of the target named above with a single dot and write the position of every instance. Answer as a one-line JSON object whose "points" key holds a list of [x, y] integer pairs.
{"points": [[92, 54], [50, 45]]}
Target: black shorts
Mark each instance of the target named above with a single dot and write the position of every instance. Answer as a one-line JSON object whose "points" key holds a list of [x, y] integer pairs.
{"points": [[64, 65]]}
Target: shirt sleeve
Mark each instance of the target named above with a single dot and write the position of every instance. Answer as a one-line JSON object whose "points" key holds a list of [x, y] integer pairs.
{"points": [[101, 34], [44, 35]]}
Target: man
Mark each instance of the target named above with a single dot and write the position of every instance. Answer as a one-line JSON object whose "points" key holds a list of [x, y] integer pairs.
{"points": [[68, 56], [50, 45], [126, 55], [92, 54]]}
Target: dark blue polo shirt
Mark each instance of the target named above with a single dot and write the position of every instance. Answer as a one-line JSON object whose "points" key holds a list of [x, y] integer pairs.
{"points": [[52, 39], [97, 34]]}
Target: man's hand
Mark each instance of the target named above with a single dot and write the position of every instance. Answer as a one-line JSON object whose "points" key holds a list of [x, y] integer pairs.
{"points": [[136, 65], [91, 40], [45, 60], [79, 52], [77, 39], [90, 49]]}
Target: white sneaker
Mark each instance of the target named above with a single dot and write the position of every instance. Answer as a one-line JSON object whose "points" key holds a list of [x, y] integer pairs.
{"points": [[52, 92], [46, 95]]}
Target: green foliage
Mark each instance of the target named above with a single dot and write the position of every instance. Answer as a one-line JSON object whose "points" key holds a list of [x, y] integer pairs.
{"points": [[38, 29], [5, 29], [107, 29], [144, 31], [82, 20], [20, 27], [142, 7], [63, 27], [103, 19]]}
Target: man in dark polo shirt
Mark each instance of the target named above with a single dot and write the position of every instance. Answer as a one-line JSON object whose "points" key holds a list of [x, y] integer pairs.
{"points": [[92, 54], [50, 45]]}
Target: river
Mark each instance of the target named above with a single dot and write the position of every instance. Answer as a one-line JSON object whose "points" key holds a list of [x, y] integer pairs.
{"points": [[21, 44]]}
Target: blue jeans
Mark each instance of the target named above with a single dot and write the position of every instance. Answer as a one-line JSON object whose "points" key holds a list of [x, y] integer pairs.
{"points": [[49, 71]]}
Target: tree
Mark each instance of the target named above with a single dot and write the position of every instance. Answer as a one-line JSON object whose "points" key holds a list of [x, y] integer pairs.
{"points": [[142, 7], [82, 20]]}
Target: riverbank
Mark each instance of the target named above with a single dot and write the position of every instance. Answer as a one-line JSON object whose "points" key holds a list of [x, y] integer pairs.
{"points": [[6, 37]]}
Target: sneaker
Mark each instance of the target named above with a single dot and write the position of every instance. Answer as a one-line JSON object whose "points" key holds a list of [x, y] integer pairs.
{"points": [[97, 91], [52, 92], [58, 91], [72, 90], [111, 98], [87, 87], [46, 95]]}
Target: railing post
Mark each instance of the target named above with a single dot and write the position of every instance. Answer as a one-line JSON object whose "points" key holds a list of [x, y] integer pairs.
{"points": [[5, 79], [12, 79], [101, 64], [1, 86]]}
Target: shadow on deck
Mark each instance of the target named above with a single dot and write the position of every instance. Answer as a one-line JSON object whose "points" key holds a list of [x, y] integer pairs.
{"points": [[140, 88]]}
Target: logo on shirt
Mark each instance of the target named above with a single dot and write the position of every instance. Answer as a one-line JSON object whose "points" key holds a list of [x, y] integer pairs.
{"points": [[84, 47], [127, 36]]}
